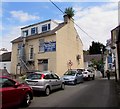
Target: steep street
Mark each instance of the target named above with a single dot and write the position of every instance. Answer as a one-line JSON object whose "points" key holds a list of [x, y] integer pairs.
{"points": [[97, 93]]}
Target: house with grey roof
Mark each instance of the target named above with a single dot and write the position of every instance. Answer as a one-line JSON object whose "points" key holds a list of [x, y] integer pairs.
{"points": [[5, 62]]}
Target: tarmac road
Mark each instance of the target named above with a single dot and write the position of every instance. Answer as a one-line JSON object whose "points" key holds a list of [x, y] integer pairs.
{"points": [[95, 93]]}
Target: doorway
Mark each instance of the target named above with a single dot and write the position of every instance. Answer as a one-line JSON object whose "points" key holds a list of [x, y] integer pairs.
{"points": [[43, 64]]}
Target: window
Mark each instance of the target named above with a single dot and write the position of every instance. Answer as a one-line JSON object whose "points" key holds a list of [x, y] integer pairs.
{"points": [[49, 26], [31, 53], [34, 76], [55, 76], [7, 83], [45, 27], [41, 45], [34, 30], [19, 50], [48, 76], [25, 33]]}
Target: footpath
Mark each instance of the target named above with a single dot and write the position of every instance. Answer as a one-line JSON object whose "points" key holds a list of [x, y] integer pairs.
{"points": [[117, 88]]}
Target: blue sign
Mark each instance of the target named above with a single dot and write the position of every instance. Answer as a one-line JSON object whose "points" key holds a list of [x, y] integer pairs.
{"points": [[49, 46], [109, 59]]}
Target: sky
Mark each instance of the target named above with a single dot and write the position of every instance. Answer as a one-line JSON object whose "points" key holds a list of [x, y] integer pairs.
{"points": [[96, 18]]}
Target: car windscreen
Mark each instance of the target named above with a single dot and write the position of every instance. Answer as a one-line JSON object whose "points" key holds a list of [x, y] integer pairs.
{"points": [[71, 73], [34, 76]]}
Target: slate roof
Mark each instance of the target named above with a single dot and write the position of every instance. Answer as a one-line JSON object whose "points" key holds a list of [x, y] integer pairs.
{"points": [[48, 33], [88, 58], [5, 57]]}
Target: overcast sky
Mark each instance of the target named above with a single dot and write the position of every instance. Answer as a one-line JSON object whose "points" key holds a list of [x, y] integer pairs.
{"points": [[96, 18]]}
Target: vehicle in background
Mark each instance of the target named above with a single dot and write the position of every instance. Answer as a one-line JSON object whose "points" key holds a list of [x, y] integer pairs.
{"points": [[45, 81], [72, 76], [88, 74], [13, 93]]}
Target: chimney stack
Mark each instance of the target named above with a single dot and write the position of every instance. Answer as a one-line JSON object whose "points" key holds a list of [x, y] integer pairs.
{"points": [[66, 18]]}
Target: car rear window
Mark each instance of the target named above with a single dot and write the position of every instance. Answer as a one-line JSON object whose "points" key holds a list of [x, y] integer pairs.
{"points": [[34, 76]]}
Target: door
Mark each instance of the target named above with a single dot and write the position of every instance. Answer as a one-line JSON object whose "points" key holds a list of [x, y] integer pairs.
{"points": [[49, 80], [43, 64], [10, 94], [58, 82]]}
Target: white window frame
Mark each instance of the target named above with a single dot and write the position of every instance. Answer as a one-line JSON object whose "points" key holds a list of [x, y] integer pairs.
{"points": [[41, 45], [45, 25]]}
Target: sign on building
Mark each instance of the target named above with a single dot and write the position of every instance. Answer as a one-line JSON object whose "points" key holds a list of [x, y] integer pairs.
{"points": [[49, 46]]}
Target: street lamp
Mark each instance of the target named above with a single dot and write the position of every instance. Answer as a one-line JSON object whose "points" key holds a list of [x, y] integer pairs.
{"points": [[102, 67]]}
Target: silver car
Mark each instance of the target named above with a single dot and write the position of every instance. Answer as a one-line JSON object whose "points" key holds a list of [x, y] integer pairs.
{"points": [[44, 81], [73, 77]]}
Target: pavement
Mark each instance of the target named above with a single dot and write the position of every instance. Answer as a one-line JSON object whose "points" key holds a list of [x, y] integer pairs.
{"points": [[117, 87]]}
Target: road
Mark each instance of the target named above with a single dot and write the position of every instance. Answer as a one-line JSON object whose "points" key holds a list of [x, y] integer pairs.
{"points": [[95, 93]]}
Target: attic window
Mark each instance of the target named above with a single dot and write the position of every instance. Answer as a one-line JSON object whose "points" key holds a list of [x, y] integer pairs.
{"points": [[45, 27], [25, 33], [34, 30]]}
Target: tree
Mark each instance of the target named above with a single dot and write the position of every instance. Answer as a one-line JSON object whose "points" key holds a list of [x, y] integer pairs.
{"points": [[96, 48], [70, 12]]}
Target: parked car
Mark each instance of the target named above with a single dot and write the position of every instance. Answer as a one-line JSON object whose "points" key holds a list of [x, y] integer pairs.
{"points": [[73, 76], [14, 93], [44, 81], [88, 74]]}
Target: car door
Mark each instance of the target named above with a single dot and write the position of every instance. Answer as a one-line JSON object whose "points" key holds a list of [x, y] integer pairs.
{"points": [[49, 80], [57, 81], [10, 94], [80, 76]]}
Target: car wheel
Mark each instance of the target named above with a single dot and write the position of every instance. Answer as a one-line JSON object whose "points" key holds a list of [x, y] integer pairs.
{"points": [[47, 91], [63, 86], [93, 77], [27, 100]]}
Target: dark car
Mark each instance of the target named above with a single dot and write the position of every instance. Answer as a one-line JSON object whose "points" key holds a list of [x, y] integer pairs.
{"points": [[14, 93]]}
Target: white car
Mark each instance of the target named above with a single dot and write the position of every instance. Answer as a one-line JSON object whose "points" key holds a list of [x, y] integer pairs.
{"points": [[88, 74]]}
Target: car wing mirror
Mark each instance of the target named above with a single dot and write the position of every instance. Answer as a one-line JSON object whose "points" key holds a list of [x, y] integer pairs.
{"points": [[16, 85]]}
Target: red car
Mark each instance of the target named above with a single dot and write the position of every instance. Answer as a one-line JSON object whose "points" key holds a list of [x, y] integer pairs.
{"points": [[12, 93]]}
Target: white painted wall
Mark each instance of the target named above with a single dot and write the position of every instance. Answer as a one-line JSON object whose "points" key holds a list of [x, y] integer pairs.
{"points": [[7, 65], [52, 23]]}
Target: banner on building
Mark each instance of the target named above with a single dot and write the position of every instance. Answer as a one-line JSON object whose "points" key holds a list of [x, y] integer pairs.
{"points": [[49, 46]]}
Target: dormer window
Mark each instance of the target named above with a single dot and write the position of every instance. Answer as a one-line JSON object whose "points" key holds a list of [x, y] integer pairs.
{"points": [[25, 33], [34, 30], [45, 27]]}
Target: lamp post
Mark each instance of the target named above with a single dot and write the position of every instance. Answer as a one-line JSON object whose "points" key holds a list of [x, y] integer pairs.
{"points": [[102, 69]]}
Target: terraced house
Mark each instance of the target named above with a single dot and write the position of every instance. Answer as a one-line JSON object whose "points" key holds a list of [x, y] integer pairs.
{"points": [[47, 45]]}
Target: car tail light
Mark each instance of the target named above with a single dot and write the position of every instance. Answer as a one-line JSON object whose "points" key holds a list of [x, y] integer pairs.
{"points": [[42, 76]]}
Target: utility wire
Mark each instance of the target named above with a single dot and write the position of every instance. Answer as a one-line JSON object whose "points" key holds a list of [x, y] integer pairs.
{"points": [[56, 6], [72, 20]]}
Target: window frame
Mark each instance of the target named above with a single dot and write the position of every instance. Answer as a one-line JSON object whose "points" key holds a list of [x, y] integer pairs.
{"points": [[41, 45], [34, 31], [46, 27]]}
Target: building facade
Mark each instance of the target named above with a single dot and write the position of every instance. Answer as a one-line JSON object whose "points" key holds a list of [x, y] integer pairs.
{"points": [[49, 46], [5, 61], [115, 45]]}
